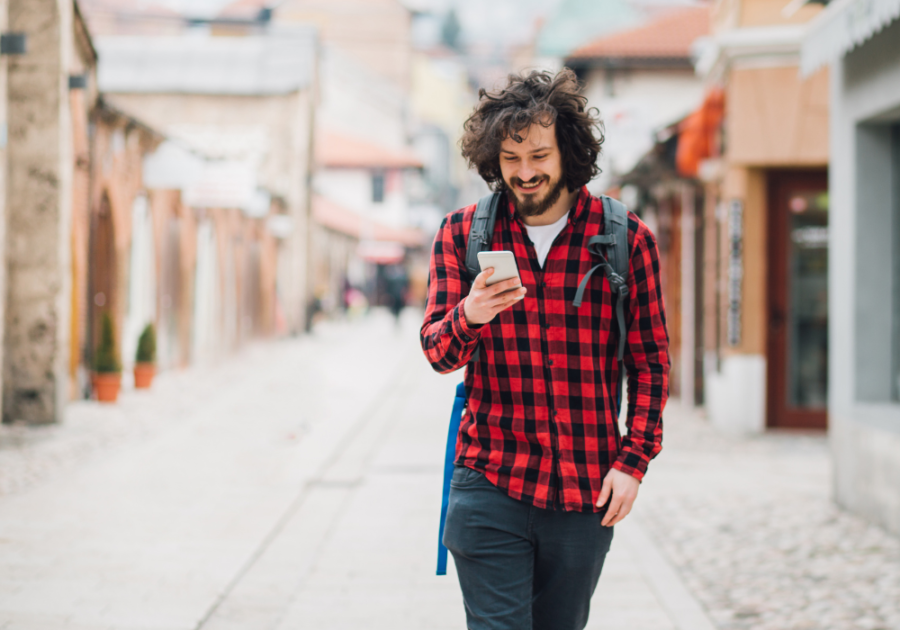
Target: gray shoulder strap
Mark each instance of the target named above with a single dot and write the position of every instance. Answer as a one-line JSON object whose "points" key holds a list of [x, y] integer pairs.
{"points": [[615, 224], [482, 232]]}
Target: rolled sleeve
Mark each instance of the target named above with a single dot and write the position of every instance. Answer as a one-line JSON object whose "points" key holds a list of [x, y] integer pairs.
{"points": [[448, 340], [646, 359]]}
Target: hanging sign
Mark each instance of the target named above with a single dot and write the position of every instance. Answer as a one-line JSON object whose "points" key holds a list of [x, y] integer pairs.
{"points": [[735, 269]]}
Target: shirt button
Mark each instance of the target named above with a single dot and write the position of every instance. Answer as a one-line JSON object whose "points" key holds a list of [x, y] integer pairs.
{"points": [[549, 361], [543, 284], [554, 413]]}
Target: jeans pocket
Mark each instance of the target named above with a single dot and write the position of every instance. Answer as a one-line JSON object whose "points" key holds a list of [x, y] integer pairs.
{"points": [[465, 477]]}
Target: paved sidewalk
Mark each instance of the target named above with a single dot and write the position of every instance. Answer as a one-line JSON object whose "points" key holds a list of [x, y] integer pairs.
{"points": [[752, 529], [295, 486]]}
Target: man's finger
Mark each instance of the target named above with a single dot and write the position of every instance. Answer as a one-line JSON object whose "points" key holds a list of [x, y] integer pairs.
{"points": [[480, 281], [502, 287], [604, 492], [506, 299], [614, 506], [624, 510]]}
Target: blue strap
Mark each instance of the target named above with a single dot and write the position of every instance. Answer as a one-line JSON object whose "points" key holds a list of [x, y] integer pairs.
{"points": [[449, 458]]}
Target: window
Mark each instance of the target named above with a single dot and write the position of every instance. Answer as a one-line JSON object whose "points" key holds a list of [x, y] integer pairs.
{"points": [[895, 176], [378, 187], [875, 286]]}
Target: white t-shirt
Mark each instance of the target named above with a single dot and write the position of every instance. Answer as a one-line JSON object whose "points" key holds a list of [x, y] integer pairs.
{"points": [[543, 236]]}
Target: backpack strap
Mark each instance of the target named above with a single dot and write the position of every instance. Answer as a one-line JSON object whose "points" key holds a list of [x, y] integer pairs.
{"points": [[481, 233], [614, 265]]}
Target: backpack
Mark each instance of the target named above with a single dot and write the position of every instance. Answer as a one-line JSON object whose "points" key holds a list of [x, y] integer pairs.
{"points": [[614, 264]]}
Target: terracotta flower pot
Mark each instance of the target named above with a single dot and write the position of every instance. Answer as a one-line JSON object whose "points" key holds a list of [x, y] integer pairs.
{"points": [[107, 386], [143, 375]]}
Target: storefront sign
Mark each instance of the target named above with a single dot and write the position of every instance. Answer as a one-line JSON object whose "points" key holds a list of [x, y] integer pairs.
{"points": [[735, 269]]}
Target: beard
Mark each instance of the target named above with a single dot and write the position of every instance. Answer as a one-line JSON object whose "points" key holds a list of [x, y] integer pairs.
{"points": [[529, 205]]}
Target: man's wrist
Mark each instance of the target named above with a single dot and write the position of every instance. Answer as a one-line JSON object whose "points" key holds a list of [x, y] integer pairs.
{"points": [[635, 473], [465, 329]]}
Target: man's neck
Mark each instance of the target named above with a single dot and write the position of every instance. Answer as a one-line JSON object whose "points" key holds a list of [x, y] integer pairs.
{"points": [[557, 211]]}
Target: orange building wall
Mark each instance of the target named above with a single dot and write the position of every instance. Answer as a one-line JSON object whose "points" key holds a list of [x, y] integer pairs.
{"points": [[775, 119]]}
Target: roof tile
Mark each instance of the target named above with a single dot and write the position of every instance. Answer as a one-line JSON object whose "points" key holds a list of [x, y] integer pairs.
{"points": [[668, 36]]}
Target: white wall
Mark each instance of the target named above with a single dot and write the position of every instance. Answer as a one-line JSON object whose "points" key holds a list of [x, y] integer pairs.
{"points": [[864, 423], [352, 188], [736, 396], [642, 102], [142, 281]]}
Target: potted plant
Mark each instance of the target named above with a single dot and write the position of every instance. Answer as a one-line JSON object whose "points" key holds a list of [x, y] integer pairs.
{"points": [[145, 358], [107, 369]]}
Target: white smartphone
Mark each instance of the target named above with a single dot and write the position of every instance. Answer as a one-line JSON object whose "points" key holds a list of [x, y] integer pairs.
{"points": [[504, 264]]}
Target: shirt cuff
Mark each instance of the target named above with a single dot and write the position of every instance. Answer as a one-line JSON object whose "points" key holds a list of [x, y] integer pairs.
{"points": [[461, 328], [631, 464]]}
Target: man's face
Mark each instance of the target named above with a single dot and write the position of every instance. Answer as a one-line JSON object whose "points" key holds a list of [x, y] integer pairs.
{"points": [[532, 170]]}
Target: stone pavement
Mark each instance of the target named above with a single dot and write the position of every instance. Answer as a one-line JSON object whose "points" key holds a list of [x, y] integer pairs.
{"points": [[751, 527], [297, 485]]}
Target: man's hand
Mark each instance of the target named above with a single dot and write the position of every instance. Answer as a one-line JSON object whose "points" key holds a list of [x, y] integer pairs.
{"points": [[624, 489], [484, 302]]}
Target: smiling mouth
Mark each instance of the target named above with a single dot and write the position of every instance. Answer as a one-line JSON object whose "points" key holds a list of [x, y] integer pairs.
{"points": [[529, 188]]}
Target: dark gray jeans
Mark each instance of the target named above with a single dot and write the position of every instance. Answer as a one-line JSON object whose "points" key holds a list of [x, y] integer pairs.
{"points": [[521, 567]]}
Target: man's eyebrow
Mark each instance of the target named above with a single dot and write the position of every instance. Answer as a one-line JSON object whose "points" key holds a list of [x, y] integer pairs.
{"points": [[538, 150]]}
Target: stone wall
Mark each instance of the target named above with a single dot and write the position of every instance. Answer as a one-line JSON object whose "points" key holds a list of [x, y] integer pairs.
{"points": [[39, 197]]}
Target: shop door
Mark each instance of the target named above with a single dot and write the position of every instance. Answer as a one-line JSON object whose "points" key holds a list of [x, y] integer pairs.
{"points": [[798, 300]]}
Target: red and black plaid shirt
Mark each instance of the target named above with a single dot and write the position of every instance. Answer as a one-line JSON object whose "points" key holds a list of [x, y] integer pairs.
{"points": [[541, 419]]}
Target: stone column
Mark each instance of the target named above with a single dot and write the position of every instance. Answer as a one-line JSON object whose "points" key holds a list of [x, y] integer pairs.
{"points": [[4, 118], [38, 214]]}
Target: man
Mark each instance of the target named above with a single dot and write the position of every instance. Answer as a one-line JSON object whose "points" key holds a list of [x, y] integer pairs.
{"points": [[542, 472]]}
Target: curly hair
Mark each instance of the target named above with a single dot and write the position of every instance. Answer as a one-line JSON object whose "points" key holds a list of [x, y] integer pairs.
{"points": [[541, 98]]}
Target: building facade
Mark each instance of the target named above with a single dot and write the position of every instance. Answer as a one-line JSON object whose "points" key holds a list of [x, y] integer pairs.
{"points": [[55, 56], [861, 45], [244, 106], [766, 224], [642, 80]]}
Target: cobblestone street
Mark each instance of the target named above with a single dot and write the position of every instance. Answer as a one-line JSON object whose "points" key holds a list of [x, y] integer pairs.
{"points": [[297, 485]]}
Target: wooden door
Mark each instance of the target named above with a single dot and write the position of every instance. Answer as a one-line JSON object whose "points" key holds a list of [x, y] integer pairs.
{"points": [[797, 342], [102, 272]]}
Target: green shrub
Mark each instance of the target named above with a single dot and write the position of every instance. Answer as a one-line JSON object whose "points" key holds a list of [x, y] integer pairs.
{"points": [[146, 348], [106, 359]]}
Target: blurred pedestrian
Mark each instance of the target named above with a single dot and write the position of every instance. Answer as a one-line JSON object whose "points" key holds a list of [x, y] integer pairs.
{"points": [[542, 474], [396, 284]]}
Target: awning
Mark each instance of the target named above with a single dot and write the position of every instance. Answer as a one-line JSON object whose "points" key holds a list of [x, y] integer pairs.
{"points": [[698, 133], [841, 27]]}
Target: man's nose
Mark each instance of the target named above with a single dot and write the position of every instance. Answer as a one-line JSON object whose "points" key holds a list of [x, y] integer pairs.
{"points": [[527, 171]]}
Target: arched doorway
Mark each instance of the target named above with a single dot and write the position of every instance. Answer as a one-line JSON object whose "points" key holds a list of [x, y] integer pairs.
{"points": [[168, 341], [102, 273], [251, 324], [141, 308], [206, 325]]}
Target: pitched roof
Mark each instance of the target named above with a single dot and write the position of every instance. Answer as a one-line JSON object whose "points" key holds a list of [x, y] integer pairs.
{"points": [[277, 63], [243, 7], [338, 151], [670, 35], [576, 22]]}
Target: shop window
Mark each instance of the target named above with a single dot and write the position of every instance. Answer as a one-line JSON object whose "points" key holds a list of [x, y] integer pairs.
{"points": [[378, 187], [876, 284]]}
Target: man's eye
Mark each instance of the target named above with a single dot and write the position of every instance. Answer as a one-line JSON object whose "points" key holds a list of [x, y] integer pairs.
{"points": [[540, 157]]}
